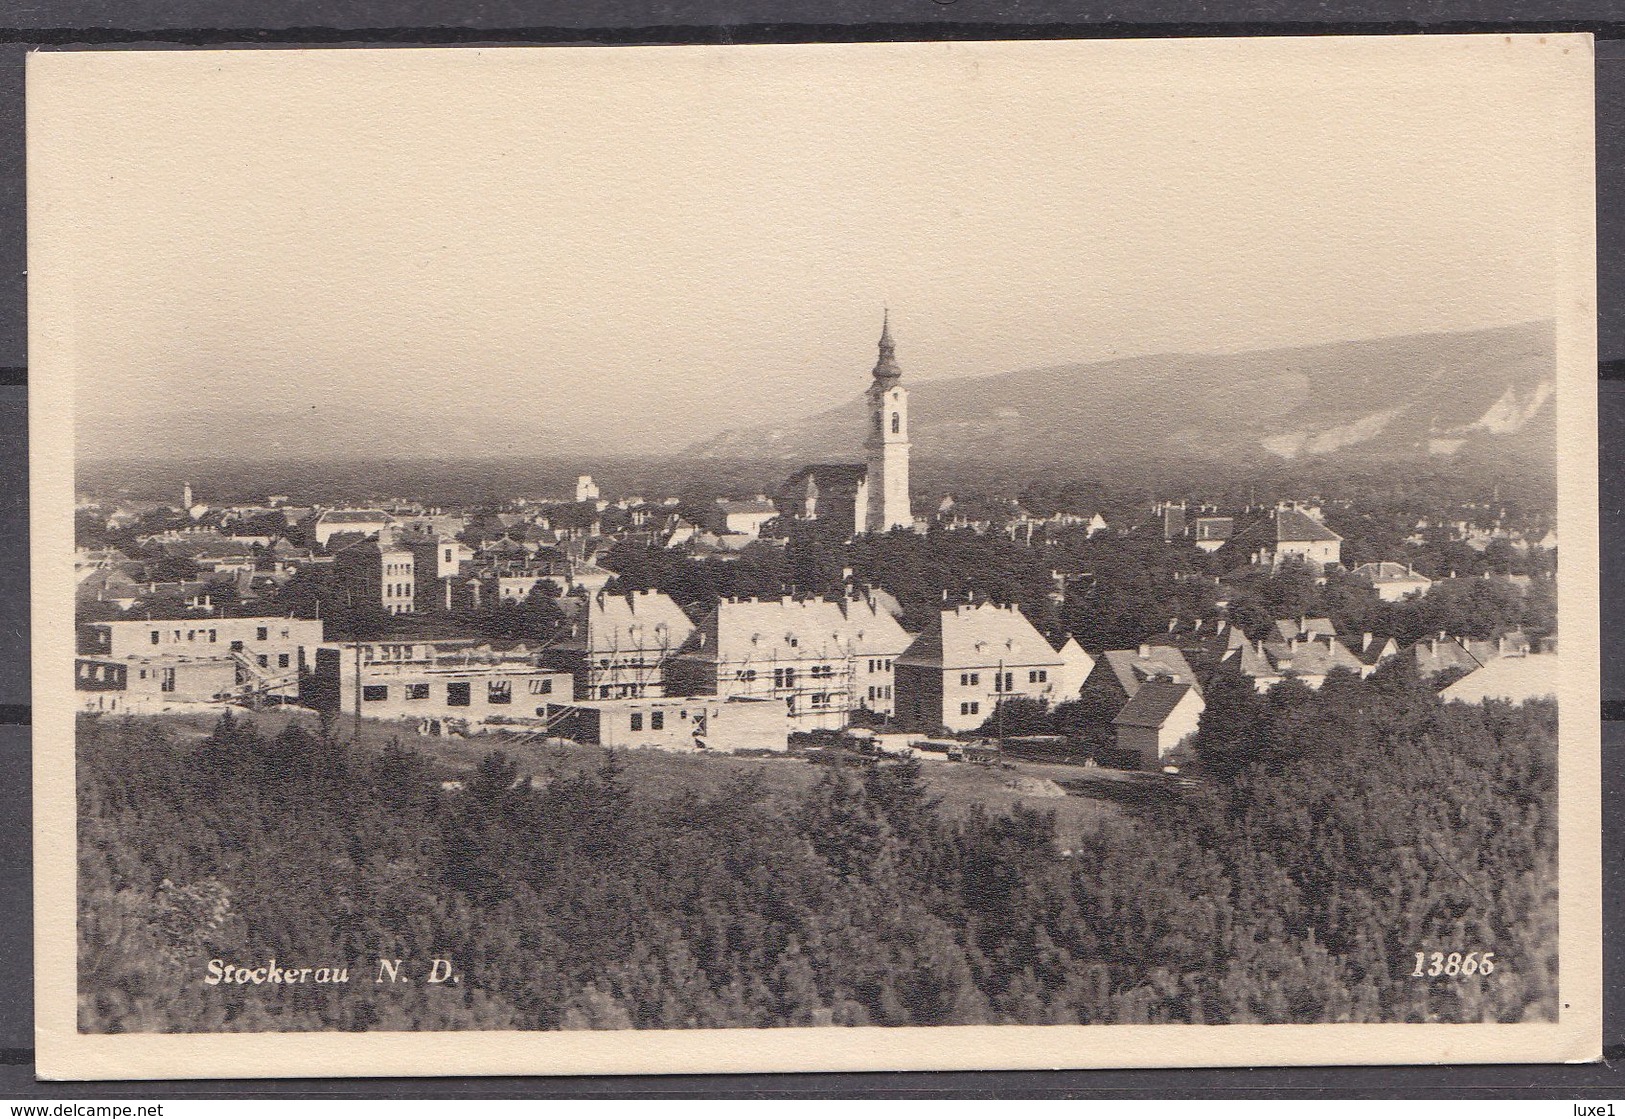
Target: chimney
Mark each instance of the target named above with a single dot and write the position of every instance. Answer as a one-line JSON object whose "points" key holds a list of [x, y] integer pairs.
{"points": [[1365, 642], [1173, 624], [1145, 652]]}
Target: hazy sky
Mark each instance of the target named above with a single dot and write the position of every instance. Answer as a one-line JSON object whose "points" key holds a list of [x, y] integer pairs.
{"points": [[626, 249]]}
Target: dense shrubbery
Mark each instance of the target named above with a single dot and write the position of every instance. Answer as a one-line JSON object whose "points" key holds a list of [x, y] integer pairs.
{"points": [[1298, 887]]}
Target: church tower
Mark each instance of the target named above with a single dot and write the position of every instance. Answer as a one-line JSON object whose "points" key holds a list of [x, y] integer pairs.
{"points": [[887, 446]]}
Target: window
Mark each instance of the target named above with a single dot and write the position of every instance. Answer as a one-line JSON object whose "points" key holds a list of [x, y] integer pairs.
{"points": [[896, 423], [820, 699], [637, 720], [457, 694], [1038, 676], [1009, 681], [191, 635], [372, 693], [499, 691], [657, 720], [261, 633], [212, 637], [265, 661], [887, 690], [603, 691], [541, 687], [872, 695], [417, 691], [167, 681], [282, 660], [975, 708], [284, 635]]}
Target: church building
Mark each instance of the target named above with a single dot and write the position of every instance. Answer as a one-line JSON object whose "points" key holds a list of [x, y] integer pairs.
{"points": [[871, 496]]}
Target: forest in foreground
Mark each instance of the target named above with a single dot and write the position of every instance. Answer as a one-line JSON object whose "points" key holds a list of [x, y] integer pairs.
{"points": [[1296, 885]]}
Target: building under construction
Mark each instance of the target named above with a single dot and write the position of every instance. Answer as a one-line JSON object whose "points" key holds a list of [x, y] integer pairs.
{"points": [[822, 659]]}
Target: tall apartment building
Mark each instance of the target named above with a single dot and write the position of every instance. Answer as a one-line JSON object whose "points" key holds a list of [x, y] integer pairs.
{"points": [[823, 659]]}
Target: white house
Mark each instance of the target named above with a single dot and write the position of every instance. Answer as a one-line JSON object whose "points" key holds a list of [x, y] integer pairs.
{"points": [[972, 658], [1162, 715], [1393, 582], [1289, 534]]}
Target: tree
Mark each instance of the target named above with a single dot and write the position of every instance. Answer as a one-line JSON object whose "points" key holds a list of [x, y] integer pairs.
{"points": [[1018, 716], [1230, 732]]}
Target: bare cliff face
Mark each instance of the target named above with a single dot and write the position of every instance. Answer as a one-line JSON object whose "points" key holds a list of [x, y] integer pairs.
{"points": [[1435, 396]]}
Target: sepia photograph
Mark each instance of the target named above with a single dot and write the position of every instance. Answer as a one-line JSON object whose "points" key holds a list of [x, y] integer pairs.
{"points": [[891, 555]]}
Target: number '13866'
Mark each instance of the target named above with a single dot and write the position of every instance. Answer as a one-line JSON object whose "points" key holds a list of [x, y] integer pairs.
{"points": [[1432, 964]]}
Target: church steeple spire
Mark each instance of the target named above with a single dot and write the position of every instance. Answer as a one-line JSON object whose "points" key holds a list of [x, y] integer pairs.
{"points": [[886, 368]]}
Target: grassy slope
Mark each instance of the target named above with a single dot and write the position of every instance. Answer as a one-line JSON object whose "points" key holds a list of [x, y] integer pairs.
{"points": [[959, 786]]}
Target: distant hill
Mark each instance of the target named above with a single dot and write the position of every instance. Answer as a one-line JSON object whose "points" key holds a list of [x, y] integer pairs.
{"points": [[1476, 396]]}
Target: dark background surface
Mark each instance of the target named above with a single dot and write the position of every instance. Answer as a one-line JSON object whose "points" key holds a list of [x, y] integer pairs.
{"points": [[181, 23]]}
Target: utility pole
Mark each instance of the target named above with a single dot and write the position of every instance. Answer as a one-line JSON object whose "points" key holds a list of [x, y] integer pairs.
{"points": [[998, 700]]}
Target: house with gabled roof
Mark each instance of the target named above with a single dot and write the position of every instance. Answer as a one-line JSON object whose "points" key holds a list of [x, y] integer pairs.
{"points": [[1303, 627], [1310, 658], [1204, 642], [1076, 665], [1123, 671], [1393, 582], [1370, 651], [971, 658], [1288, 534], [1444, 653], [1162, 715]]}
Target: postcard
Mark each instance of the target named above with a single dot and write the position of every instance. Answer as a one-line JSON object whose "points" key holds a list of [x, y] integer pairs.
{"points": [[814, 557]]}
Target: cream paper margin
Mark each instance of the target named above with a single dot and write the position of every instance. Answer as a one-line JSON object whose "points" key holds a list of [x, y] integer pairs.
{"points": [[65, 1054]]}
